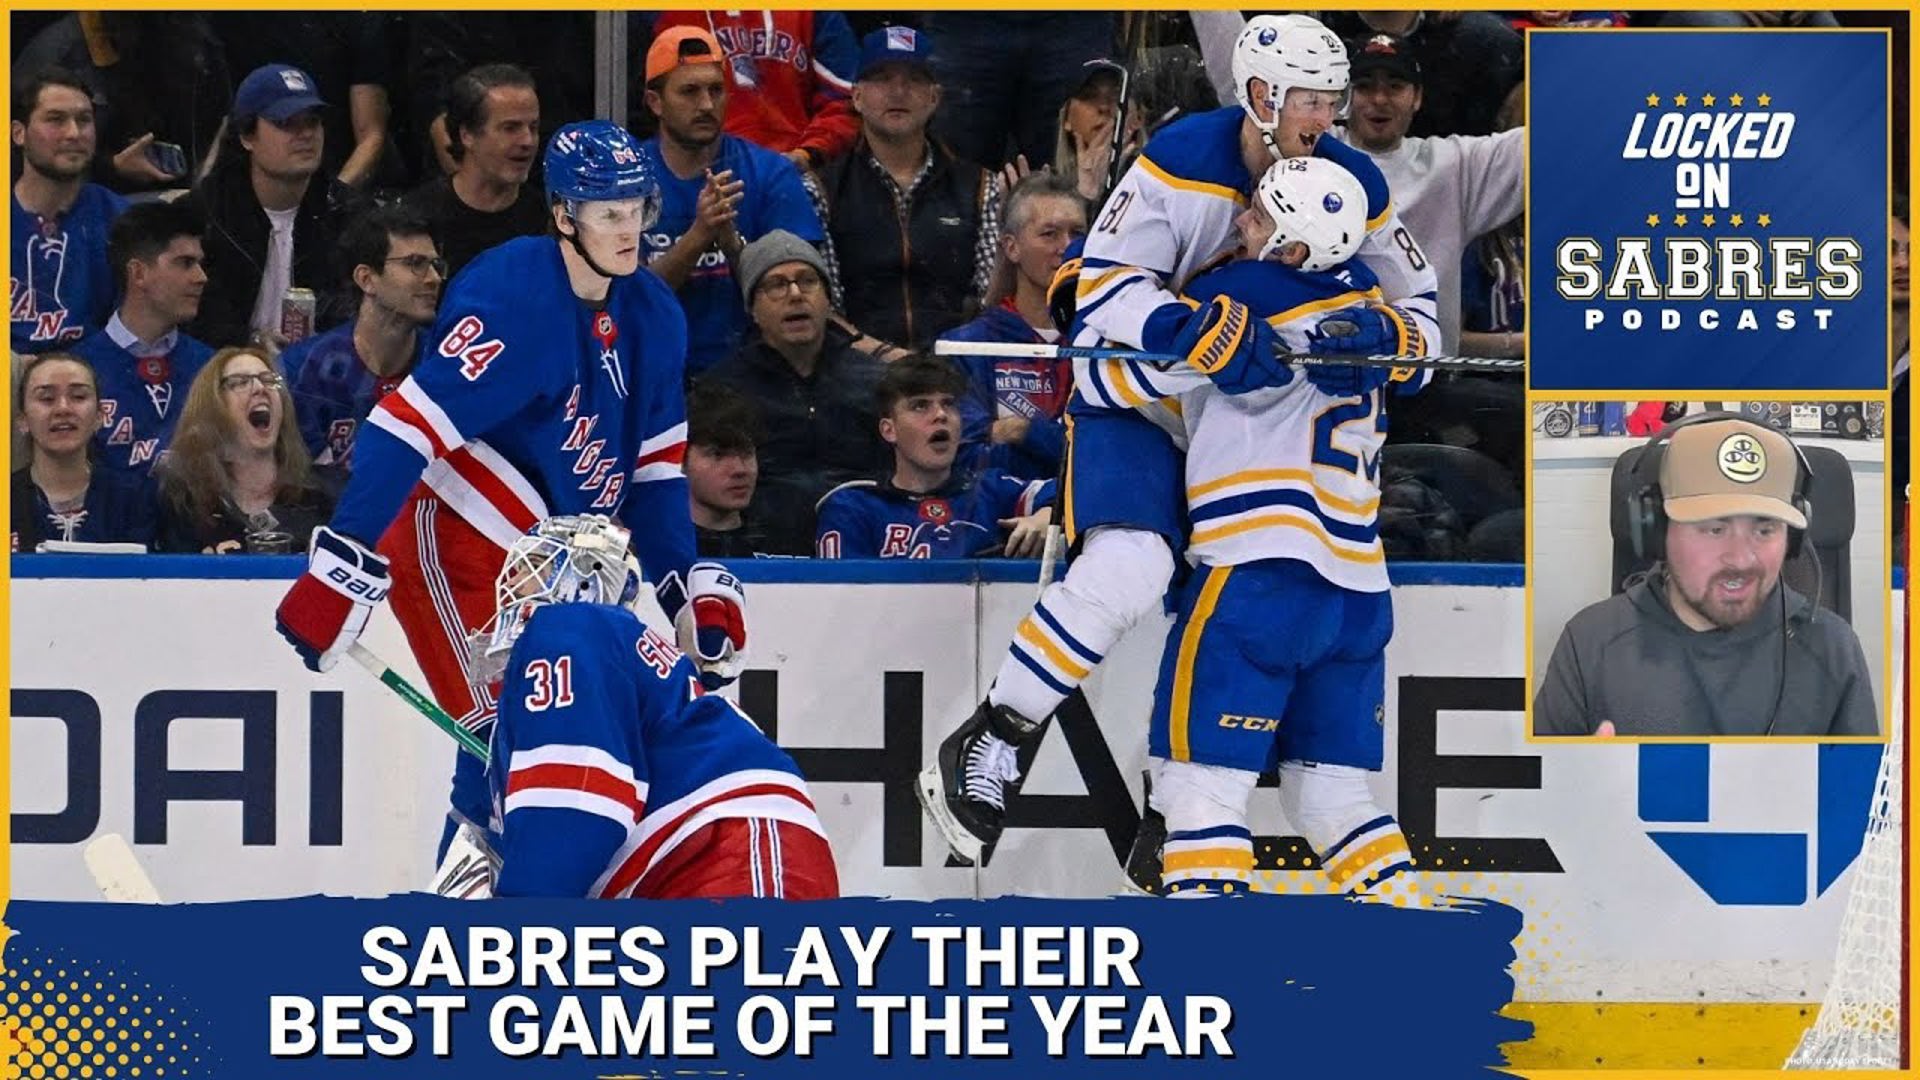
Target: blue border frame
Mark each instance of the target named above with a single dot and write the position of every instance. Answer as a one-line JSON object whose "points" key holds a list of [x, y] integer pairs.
{"points": [[753, 571]]}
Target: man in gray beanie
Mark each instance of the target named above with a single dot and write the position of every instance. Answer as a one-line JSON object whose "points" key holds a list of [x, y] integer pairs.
{"points": [[812, 387]]}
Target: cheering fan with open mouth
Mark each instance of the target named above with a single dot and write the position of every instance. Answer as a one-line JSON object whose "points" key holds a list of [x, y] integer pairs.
{"points": [[237, 477]]}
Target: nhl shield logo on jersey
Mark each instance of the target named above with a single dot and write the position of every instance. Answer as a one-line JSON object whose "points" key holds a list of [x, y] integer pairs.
{"points": [[936, 511]]}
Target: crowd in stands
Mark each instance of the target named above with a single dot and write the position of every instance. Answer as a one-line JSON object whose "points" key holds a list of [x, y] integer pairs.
{"points": [[231, 231]]}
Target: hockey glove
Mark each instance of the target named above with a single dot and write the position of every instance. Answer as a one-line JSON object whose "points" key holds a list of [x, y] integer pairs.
{"points": [[1367, 330], [710, 621], [327, 609], [1233, 347], [1347, 380], [469, 868]]}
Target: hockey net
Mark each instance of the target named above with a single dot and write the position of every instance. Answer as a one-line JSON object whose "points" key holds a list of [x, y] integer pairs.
{"points": [[1860, 1021]]}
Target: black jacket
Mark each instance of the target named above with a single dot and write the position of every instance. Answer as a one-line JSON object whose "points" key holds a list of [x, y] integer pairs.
{"points": [[816, 432], [905, 287], [236, 247]]}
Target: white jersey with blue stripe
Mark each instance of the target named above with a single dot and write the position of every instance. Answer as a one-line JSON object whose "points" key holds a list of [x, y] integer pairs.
{"points": [[1174, 210], [1285, 473]]}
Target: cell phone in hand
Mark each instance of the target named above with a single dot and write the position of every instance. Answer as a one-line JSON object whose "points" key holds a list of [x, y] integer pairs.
{"points": [[168, 157]]}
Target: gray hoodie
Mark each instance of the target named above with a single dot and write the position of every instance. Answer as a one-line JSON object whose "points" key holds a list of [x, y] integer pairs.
{"points": [[1630, 659]]}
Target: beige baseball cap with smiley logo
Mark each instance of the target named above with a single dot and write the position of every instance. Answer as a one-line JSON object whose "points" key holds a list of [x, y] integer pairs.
{"points": [[1727, 468]]}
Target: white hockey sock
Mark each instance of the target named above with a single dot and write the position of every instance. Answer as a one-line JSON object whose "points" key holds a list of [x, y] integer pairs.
{"points": [[1119, 576], [1360, 845], [1209, 849]]}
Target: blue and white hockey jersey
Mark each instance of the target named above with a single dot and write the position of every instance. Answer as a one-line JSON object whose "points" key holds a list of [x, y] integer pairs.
{"points": [[141, 397], [333, 392], [606, 756], [1285, 473], [61, 287], [527, 403], [872, 519], [1174, 210]]}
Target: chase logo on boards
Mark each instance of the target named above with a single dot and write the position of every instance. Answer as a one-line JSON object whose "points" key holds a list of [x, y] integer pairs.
{"points": [[1736, 867]]}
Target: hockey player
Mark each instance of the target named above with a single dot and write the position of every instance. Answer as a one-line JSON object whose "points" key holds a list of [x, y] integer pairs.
{"points": [[1277, 652], [551, 384], [611, 774], [1173, 210]]}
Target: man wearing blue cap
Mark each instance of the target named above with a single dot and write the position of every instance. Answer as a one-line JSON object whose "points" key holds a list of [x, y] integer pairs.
{"points": [[270, 226], [913, 226]]}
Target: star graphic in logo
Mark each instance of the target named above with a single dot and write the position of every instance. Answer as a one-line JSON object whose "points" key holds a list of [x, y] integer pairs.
{"points": [[1735, 100], [1766, 221], [1679, 219], [1680, 100], [1707, 220], [1653, 100], [1736, 220], [1764, 100], [1653, 219]]}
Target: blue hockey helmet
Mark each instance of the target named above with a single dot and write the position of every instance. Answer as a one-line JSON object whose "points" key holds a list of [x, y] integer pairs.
{"points": [[598, 161]]}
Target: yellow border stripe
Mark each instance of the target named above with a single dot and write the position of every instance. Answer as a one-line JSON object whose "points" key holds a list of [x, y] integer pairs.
{"points": [[1263, 476], [1116, 377], [1189, 649], [1702, 1037], [1032, 635], [1239, 859], [1273, 520], [1344, 868], [1331, 303], [1218, 190]]}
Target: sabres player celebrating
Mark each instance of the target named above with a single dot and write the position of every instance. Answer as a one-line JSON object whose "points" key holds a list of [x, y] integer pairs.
{"points": [[1278, 649], [551, 384], [611, 773], [1174, 210]]}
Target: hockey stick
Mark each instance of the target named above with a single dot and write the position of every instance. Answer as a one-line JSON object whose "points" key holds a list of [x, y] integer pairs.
{"points": [[1486, 365], [117, 871], [422, 703]]}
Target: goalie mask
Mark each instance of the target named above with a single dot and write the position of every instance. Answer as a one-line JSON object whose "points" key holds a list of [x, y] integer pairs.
{"points": [[1314, 202], [575, 559]]}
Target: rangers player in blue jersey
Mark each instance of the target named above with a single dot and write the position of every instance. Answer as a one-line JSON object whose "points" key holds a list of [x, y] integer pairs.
{"points": [[925, 508], [1171, 213], [550, 384], [611, 772]]}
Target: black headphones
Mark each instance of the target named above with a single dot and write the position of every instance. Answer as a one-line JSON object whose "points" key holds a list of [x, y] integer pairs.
{"points": [[1646, 509]]}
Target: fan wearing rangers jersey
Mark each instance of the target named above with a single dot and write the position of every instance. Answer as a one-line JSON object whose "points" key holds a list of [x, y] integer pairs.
{"points": [[1278, 650], [1124, 500], [550, 384], [925, 508], [611, 773]]}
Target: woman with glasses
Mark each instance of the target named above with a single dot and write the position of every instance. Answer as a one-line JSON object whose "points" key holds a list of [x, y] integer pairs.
{"points": [[58, 494], [237, 477]]}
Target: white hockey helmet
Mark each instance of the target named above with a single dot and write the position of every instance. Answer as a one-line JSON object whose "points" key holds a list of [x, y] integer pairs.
{"points": [[1317, 203], [572, 559], [1286, 52]]}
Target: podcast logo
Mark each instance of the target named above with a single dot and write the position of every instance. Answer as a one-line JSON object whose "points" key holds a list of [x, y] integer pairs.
{"points": [[1703, 221], [1714, 256]]}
